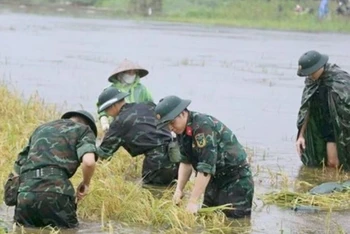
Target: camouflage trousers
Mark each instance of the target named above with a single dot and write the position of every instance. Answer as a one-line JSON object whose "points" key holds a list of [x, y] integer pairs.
{"points": [[237, 191], [40, 209], [157, 168]]}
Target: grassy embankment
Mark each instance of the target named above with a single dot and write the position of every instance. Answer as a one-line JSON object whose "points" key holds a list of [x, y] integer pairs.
{"points": [[262, 14], [273, 14]]}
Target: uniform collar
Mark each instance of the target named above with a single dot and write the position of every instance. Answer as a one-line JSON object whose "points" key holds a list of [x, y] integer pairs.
{"points": [[326, 69], [125, 107]]}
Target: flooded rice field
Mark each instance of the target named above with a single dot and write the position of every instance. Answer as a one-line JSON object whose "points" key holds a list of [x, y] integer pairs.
{"points": [[246, 78]]}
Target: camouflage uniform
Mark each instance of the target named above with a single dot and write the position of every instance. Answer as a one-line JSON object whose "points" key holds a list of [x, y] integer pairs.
{"points": [[135, 129], [54, 152], [327, 103], [213, 149]]}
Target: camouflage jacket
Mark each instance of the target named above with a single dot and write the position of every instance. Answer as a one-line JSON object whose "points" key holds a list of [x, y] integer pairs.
{"points": [[336, 83], [59, 144], [138, 93], [209, 145], [135, 128]]}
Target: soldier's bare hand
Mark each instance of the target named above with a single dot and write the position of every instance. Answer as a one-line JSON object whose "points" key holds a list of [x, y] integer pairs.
{"points": [[300, 144], [82, 190], [178, 195], [192, 207], [104, 123]]}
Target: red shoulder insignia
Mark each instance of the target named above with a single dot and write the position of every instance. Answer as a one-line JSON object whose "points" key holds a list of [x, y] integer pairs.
{"points": [[189, 131]]}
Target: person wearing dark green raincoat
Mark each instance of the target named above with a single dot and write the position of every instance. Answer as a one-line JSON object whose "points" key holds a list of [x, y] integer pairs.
{"points": [[223, 173], [126, 78], [324, 116]]}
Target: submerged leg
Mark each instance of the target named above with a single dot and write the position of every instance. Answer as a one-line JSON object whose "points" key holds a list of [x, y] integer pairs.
{"points": [[332, 155]]}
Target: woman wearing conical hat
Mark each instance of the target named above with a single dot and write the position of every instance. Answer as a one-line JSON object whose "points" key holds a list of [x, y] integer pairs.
{"points": [[126, 78]]}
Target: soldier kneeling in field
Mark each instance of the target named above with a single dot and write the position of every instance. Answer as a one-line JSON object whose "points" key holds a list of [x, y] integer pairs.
{"points": [[39, 186], [223, 173]]}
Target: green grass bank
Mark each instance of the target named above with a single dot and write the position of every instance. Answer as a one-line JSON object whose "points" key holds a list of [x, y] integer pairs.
{"points": [[260, 14]]}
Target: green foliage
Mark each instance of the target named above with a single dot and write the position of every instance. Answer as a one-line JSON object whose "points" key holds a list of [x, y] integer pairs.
{"points": [[265, 14]]}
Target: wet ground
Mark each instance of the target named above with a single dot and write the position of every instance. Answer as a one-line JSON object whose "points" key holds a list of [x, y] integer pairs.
{"points": [[246, 78]]}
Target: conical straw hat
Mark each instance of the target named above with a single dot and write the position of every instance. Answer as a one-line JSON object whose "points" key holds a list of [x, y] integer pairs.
{"points": [[127, 65]]}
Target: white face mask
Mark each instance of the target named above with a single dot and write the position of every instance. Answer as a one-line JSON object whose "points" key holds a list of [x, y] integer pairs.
{"points": [[129, 79]]}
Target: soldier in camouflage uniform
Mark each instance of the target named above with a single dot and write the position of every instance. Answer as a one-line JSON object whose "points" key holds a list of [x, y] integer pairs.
{"points": [[54, 152], [223, 173], [323, 119], [135, 129]]}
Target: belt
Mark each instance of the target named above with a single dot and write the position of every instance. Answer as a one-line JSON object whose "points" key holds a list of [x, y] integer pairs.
{"points": [[45, 171]]}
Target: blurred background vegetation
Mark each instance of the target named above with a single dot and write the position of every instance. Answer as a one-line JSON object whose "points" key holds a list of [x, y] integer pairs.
{"points": [[272, 14]]}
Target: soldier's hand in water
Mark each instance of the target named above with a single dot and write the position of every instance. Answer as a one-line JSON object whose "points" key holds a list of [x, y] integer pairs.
{"points": [[192, 207], [178, 195], [104, 123], [82, 190], [300, 144]]}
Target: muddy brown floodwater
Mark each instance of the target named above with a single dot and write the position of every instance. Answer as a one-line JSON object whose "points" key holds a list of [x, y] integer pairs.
{"points": [[246, 78]]}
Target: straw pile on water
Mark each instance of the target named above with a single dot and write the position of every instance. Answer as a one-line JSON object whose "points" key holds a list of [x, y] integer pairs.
{"points": [[337, 200]]}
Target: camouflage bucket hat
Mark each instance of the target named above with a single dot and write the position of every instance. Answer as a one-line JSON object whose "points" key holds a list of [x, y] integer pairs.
{"points": [[84, 114], [109, 96], [169, 108], [310, 62], [127, 65]]}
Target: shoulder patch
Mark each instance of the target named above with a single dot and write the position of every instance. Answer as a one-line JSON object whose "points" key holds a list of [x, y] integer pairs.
{"points": [[200, 140]]}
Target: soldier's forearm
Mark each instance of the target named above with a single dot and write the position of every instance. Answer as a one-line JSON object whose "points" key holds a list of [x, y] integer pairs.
{"points": [[200, 185], [303, 128], [88, 167], [184, 174]]}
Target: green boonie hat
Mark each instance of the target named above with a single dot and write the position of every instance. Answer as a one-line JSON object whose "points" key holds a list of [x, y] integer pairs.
{"points": [[84, 114], [310, 62], [109, 96], [169, 108]]}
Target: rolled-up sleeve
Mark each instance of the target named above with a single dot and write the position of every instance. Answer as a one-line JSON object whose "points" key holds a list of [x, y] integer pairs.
{"points": [[86, 144]]}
